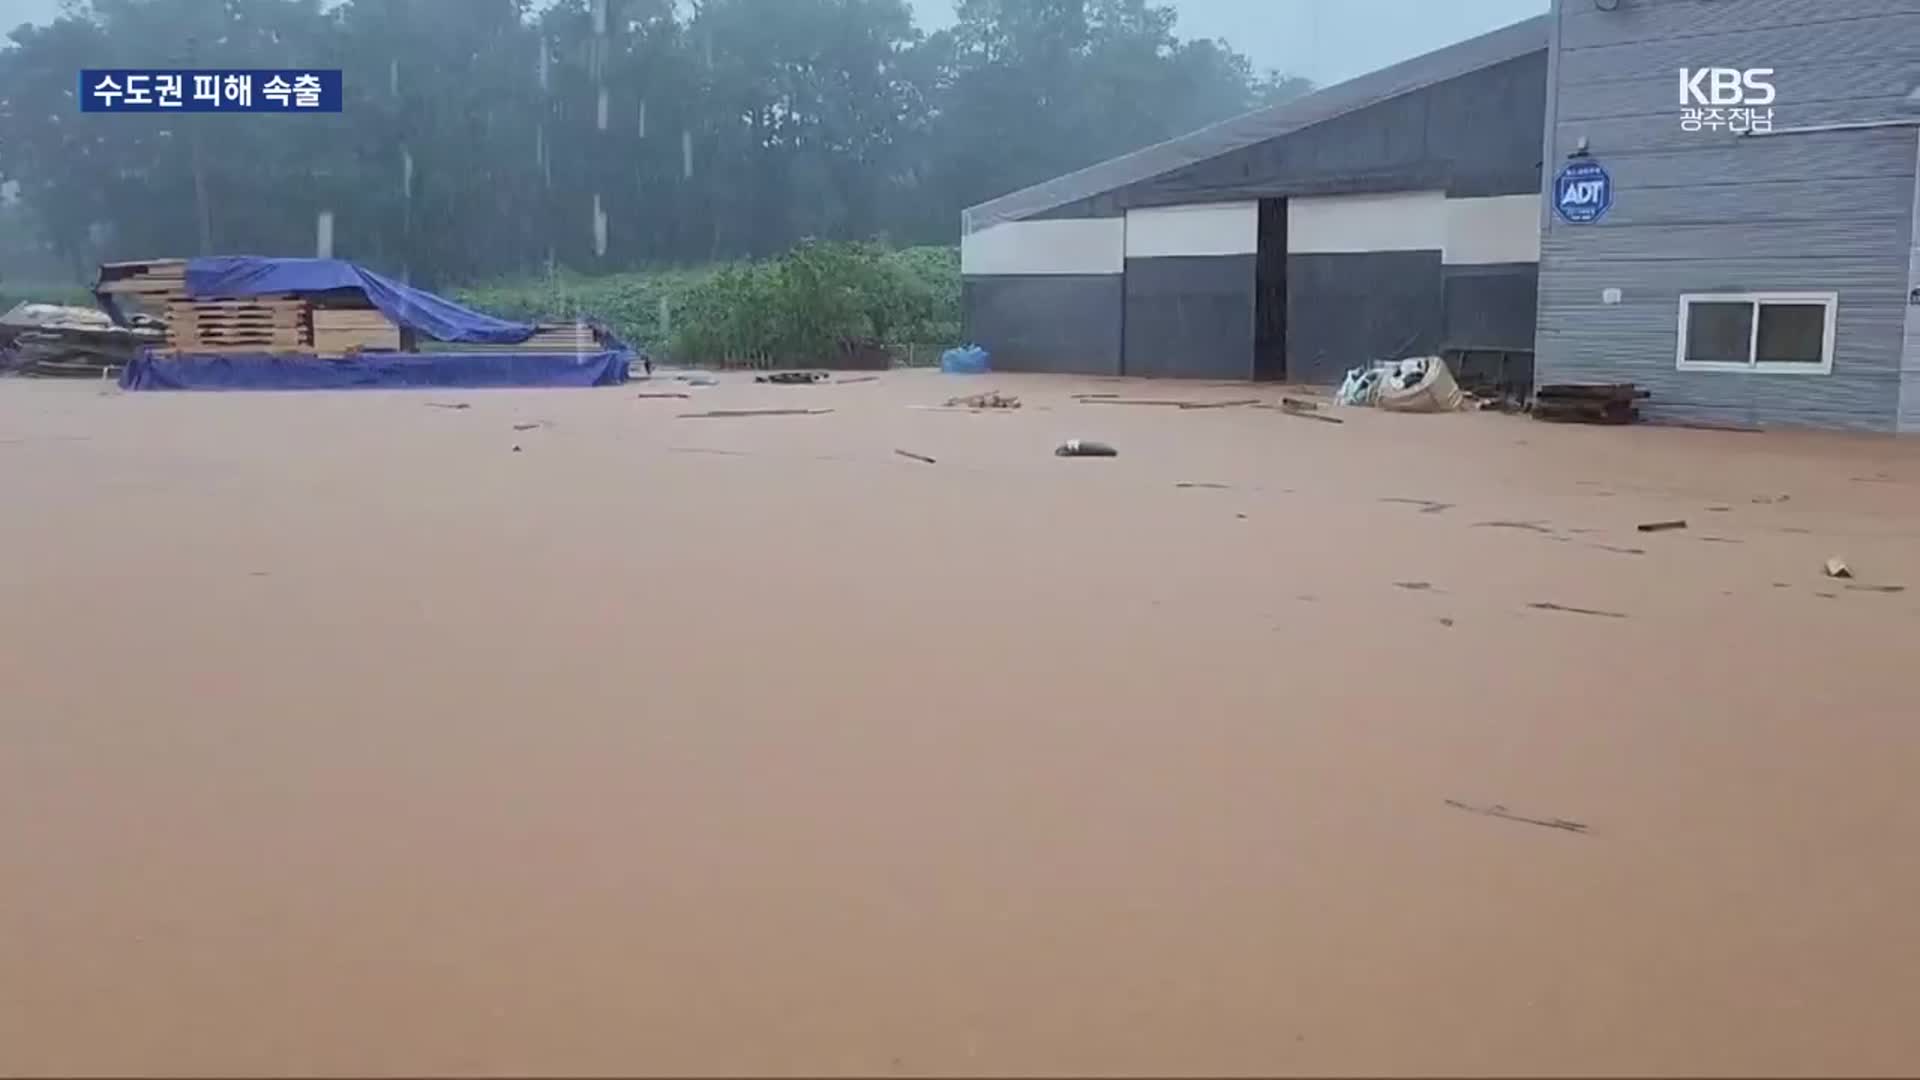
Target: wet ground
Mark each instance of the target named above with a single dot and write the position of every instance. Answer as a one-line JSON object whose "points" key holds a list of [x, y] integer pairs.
{"points": [[339, 737]]}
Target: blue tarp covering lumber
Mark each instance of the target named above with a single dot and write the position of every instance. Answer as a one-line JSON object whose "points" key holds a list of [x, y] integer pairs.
{"points": [[150, 371], [232, 276]]}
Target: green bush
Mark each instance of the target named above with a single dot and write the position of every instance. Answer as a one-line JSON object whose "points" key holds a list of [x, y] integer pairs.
{"points": [[628, 303], [796, 309]]}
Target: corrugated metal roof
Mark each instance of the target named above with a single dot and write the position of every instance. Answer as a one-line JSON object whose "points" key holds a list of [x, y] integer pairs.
{"points": [[1507, 43]]}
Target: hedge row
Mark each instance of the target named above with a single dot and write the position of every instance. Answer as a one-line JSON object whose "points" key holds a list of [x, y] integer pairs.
{"points": [[794, 310]]}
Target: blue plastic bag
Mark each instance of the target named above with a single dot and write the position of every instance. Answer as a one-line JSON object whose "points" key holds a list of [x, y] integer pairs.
{"points": [[966, 360]]}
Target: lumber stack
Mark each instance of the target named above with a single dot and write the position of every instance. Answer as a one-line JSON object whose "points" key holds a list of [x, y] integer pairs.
{"points": [[569, 337], [343, 331], [256, 325], [1588, 403], [547, 337], [154, 282]]}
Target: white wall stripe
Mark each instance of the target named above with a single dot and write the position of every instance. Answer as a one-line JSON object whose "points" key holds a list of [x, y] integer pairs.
{"points": [[1503, 229], [1205, 229], [1067, 246], [1337, 224]]}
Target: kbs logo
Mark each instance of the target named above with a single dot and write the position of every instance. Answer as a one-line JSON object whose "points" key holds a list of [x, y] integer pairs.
{"points": [[1726, 86], [1736, 100]]}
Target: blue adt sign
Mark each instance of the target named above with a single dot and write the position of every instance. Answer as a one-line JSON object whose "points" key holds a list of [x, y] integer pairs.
{"points": [[1583, 192]]}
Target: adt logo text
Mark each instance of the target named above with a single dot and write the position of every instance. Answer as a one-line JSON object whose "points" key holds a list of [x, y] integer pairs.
{"points": [[1726, 86], [1583, 193]]}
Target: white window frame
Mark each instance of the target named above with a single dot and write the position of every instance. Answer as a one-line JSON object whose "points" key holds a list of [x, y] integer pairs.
{"points": [[1828, 300]]}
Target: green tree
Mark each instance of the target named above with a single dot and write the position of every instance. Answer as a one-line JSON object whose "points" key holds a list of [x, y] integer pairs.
{"points": [[484, 138]]}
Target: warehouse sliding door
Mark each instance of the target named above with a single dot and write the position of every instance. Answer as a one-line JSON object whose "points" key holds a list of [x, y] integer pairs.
{"points": [[1189, 307], [1364, 281]]}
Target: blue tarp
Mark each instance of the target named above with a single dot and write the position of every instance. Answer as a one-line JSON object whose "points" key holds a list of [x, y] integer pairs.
{"points": [[374, 371], [414, 309]]}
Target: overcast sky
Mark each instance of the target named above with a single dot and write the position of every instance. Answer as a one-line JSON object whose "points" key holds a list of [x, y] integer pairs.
{"points": [[1325, 40]]}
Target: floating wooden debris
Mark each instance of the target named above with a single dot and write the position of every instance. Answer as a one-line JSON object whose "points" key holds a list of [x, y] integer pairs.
{"points": [[1235, 404], [1496, 810], [1548, 606], [717, 414], [916, 457], [1170, 403], [1662, 526], [1427, 506], [992, 399]]}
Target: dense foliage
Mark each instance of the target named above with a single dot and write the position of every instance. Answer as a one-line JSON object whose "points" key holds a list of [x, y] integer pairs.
{"points": [[499, 138], [797, 308]]}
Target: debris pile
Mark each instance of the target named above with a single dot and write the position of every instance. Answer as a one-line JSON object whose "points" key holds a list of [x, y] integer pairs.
{"points": [[992, 399], [1588, 403], [54, 341], [1085, 448], [1420, 384]]}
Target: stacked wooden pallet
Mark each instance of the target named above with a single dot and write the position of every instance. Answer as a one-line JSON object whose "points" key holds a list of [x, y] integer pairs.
{"points": [[1588, 403], [344, 331], [570, 337], [563, 338], [155, 282], [256, 325]]}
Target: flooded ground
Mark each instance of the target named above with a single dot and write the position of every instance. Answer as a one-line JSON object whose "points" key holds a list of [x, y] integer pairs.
{"points": [[338, 737]]}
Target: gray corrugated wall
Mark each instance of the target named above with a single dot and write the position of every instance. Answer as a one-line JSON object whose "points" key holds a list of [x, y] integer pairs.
{"points": [[1491, 307], [1472, 136], [1347, 310], [1190, 317], [1062, 324], [1910, 353], [1707, 212]]}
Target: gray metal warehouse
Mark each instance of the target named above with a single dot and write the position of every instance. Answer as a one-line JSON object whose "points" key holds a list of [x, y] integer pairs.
{"points": [[1397, 214], [1754, 259]]}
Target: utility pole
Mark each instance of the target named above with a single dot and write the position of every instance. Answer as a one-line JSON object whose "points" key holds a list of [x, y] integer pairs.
{"points": [[202, 208]]}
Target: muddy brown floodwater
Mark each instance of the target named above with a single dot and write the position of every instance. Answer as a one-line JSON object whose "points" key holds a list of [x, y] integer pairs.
{"points": [[338, 738]]}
